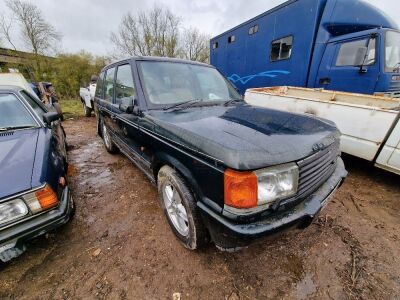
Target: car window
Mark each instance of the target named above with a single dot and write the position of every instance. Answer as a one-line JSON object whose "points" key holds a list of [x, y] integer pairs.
{"points": [[100, 86], [124, 85], [348, 52], [13, 113], [39, 110], [281, 49], [109, 85], [168, 83]]}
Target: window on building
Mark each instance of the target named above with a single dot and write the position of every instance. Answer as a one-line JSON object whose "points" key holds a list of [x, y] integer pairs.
{"points": [[282, 49], [215, 45], [231, 39]]}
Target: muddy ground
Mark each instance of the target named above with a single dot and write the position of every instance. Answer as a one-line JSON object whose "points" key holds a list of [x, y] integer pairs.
{"points": [[119, 245]]}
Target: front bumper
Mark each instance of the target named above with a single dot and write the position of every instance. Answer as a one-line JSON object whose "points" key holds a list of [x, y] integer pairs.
{"points": [[12, 239], [230, 235]]}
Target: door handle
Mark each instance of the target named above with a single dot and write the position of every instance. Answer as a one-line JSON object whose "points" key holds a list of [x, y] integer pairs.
{"points": [[325, 81]]}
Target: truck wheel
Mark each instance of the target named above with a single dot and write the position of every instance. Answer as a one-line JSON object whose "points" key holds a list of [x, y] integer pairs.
{"points": [[87, 110], [108, 143], [180, 208]]}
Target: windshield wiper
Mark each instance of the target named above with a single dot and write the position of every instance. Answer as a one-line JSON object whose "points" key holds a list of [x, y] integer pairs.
{"points": [[232, 101], [16, 127], [183, 105]]}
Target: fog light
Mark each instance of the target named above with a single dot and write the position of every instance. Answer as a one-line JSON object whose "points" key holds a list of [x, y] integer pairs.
{"points": [[12, 210]]}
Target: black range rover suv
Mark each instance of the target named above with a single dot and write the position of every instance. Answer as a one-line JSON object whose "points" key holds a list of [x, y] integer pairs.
{"points": [[224, 169]]}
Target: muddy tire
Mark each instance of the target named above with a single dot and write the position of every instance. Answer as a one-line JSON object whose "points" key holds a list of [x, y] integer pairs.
{"points": [[108, 143], [180, 208], [87, 110]]}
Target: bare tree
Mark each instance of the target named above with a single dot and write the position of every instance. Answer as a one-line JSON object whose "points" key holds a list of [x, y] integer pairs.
{"points": [[194, 45], [5, 30], [154, 32], [37, 33]]}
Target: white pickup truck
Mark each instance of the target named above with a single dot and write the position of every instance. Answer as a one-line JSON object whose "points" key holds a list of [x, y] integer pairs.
{"points": [[370, 125], [87, 96]]}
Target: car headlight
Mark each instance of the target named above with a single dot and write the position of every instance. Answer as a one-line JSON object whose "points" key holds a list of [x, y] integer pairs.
{"points": [[261, 187], [277, 183], [12, 210]]}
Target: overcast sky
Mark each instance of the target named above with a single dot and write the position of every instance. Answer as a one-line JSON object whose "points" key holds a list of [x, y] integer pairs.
{"points": [[87, 24]]}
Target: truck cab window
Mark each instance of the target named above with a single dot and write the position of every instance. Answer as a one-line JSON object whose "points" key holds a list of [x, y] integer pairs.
{"points": [[124, 86], [109, 85], [282, 49], [348, 52], [99, 86]]}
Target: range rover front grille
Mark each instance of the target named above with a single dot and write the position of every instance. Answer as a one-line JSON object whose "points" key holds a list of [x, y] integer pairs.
{"points": [[316, 169]]}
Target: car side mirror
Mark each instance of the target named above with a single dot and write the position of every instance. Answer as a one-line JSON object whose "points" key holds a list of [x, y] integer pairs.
{"points": [[127, 105], [360, 56], [50, 117]]}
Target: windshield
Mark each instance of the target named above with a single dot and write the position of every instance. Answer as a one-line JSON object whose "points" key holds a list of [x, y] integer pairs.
{"points": [[392, 51], [167, 83], [13, 113]]}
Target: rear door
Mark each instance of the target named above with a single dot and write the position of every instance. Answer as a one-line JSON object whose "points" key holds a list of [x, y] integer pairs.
{"points": [[338, 70], [106, 102]]}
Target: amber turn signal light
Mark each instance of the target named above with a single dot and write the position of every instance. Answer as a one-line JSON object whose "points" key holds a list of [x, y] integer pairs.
{"points": [[240, 189], [46, 197]]}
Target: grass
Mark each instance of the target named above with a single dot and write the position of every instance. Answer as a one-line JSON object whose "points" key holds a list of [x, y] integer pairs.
{"points": [[72, 108]]}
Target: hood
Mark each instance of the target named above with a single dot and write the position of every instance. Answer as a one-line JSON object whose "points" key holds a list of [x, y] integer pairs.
{"points": [[17, 156], [245, 137]]}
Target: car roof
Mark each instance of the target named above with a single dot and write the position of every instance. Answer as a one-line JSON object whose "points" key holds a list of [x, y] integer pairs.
{"points": [[159, 59], [10, 88]]}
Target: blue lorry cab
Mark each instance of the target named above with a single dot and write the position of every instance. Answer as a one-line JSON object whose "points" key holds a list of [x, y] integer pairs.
{"points": [[345, 45]]}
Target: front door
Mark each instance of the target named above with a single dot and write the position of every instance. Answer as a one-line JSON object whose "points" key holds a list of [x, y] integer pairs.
{"points": [[126, 124], [340, 72]]}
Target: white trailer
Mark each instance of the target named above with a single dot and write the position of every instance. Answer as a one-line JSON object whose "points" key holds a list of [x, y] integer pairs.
{"points": [[370, 125]]}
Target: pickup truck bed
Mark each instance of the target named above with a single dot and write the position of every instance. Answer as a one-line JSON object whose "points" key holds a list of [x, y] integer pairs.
{"points": [[370, 125]]}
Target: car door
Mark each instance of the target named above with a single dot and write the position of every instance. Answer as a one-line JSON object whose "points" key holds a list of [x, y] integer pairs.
{"points": [[105, 102], [338, 70], [126, 123]]}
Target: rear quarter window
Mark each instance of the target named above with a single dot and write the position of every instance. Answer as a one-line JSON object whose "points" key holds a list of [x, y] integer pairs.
{"points": [[100, 86]]}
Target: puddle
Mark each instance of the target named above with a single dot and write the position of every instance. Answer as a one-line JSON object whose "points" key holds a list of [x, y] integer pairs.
{"points": [[101, 179], [305, 288]]}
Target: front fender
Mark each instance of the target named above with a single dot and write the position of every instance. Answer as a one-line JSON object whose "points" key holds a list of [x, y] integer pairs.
{"points": [[160, 159]]}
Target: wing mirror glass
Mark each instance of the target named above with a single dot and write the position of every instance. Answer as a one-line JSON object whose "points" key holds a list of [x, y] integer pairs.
{"points": [[50, 117]]}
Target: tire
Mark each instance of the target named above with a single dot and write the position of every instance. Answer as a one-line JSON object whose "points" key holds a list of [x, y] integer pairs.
{"points": [[86, 110], [182, 213], [108, 143]]}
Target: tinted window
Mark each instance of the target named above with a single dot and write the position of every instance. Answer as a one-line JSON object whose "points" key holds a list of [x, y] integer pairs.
{"points": [[282, 49], [348, 53], [100, 86], [40, 111], [109, 85], [167, 83], [125, 87], [13, 112]]}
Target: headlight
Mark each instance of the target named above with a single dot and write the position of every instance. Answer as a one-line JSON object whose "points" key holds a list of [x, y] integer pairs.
{"points": [[277, 182], [12, 210], [251, 189]]}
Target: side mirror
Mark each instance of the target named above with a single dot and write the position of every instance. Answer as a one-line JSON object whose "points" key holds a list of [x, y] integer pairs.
{"points": [[50, 117], [126, 105], [360, 56]]}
